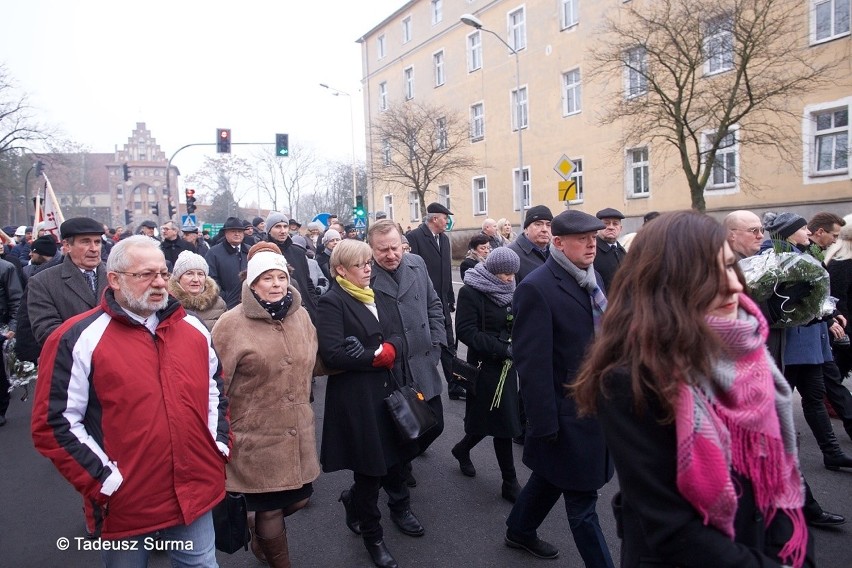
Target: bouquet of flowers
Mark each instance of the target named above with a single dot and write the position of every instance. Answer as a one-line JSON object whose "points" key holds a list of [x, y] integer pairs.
{"points": [[20, 373], [796, 283]]}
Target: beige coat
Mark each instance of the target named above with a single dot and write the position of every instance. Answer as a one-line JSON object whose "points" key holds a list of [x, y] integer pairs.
{"points": [[208, 305], [267, 367]]}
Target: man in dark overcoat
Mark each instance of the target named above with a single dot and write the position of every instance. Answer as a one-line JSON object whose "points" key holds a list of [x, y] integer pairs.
{"points": [[430, 243], [532, 245], [556, 310], [227, 259], [610, 252]]}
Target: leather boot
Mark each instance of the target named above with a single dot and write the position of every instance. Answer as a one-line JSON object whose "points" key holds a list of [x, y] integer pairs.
{"points": [[510, 490], [380, 554], [835, 460], [351, 516], [276, 550], [255, 547]]}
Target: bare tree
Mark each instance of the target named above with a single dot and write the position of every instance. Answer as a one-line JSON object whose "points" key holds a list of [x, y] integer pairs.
{"points": [[283, 180], [333, 190], [418, 144], [220, 178], [696, 73], [19, 128]]}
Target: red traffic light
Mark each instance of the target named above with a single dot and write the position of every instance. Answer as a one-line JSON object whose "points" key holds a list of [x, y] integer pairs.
{"points": [[223, 140], [190, 192]]}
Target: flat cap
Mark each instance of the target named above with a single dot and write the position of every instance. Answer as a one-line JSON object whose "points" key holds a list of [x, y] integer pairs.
{"points": [[438, 208], [80, 226], [148, 223], [572, 222], [537, 213], [609, 213], [189, 228]]}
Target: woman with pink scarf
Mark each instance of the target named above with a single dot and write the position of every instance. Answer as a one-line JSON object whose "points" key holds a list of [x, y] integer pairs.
{"points": [[697, 417]]}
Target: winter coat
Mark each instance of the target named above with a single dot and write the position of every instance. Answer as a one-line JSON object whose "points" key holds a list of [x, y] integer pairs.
{"points": [[438, 262], [530, 255], [300, 274], [172, 249], [323, 259], [226, 263], [483, 326], [10, 295], [208, 305], [136, 423], [608, 260], [267, 366], [840, 272]]}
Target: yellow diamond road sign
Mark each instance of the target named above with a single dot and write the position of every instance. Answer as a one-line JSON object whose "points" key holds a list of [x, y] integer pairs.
{"points": [[564, 167]]}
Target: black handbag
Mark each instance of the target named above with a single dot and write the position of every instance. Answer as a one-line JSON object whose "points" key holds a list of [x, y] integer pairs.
{"points": [[465, 375], [230, 522], [410, 413]]}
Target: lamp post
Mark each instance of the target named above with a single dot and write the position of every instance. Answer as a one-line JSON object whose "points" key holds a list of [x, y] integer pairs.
{"points": [[474, 22], [337, 93]]}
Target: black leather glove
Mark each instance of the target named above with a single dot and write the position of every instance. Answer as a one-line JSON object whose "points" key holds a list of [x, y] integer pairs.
{"points": [[353, 347]]}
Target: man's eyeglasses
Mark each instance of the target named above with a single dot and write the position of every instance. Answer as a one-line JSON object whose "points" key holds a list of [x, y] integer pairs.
{"points": [[146, 276], [753, 230], [360, 265]]}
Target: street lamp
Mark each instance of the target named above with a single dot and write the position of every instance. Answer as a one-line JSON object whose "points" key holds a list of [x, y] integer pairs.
{"points": [[337, 93], [474, 22]]}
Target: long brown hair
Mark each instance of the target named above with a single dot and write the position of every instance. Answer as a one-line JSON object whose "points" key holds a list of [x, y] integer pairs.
{"points": [[654, 325]]}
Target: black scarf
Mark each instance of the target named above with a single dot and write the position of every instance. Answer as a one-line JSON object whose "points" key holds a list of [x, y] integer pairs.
{"points": [[278, 310]]}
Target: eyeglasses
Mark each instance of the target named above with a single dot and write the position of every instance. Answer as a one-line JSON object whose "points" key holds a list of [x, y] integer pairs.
{"points": [[360, 265], [146, 276], [753, 230]]}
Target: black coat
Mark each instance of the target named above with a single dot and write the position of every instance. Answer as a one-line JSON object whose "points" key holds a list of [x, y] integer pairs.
{"points": [[322, 259], [357, 430], [172, 249], [482, 326], [530, 255], [659, 527], [438, 262], [301, 274], [553, 327], [608, 260], [226, 263]]}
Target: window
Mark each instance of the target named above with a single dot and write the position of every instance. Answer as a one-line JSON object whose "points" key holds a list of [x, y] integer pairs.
{"points": [[406, 29], [92, 200], [577, 176], [829, 19], [831, 141], [388, 201], [525, 188], [517, 29], [442, 135], [718, 45], [480, 196], [438, 63], [437, 11], [474, 51], [477, 122], [637, 172], [570, 13], [386, 152], [635, 72], [408, 82], [723, 172], [413, 206], [383, 95], [571, 92], [520, 116], [444, 196], [381, 46]]}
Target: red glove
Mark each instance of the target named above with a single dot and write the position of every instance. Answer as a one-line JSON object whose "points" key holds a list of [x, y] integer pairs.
{"points": [[386, 357]]}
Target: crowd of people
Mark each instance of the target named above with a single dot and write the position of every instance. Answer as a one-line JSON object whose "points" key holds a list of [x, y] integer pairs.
{"points": [[641, 354]]}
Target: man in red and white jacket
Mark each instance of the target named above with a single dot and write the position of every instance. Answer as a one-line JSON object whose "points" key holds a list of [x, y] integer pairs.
{"points": [[130, 408]]}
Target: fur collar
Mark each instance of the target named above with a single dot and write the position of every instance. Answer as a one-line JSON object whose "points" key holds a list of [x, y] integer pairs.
{"points": [[200, 303]]}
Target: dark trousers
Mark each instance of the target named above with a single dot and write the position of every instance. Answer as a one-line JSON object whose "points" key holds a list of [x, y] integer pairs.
{"points": [[365, 498], [838, 396], [4, 385], [398, 498], [808, 379], [502, 450], [843, 357], [535, 502]]}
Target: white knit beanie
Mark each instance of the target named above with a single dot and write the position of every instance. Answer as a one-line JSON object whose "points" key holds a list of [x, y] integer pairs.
{"points": [[188, 260], [262, 261]]}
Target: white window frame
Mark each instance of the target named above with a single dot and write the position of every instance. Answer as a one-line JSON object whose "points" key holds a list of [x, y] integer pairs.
{"points": [[838, 26], [386, 152], [408, 83], [635, 68], [436, 8], [479, 187], [718, 45], [442, 135], [572, 92], [477, 121], [526, 188], [413, 205], [444, 196], [381, 47], [383, 96], [516, 28], [577, 176], [407, 30], [474, 51], [569, 13], [811, 136], [637, 161], [520, 106], [388, 205], [726, 186], [438, 64]]}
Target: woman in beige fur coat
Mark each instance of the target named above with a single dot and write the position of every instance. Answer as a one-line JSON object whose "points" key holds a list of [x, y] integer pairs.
{"points": [[268, 350], [195, 290]]}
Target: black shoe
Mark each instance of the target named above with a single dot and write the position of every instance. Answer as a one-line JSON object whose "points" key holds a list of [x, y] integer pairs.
{"points": [[465, 465], [836, 460], [826, 519], [510, 490], [380, 554], [351, 517], [519, 440], [407, 523], [536, 546], [2, 420]]}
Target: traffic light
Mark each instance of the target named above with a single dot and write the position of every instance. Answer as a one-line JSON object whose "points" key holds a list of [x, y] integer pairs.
{"points": [[126, 169], [223, 140], [39, 168], [360, 210], [190, 201], [155, 209], [172, 209], [128, 216], [282, 145]]}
